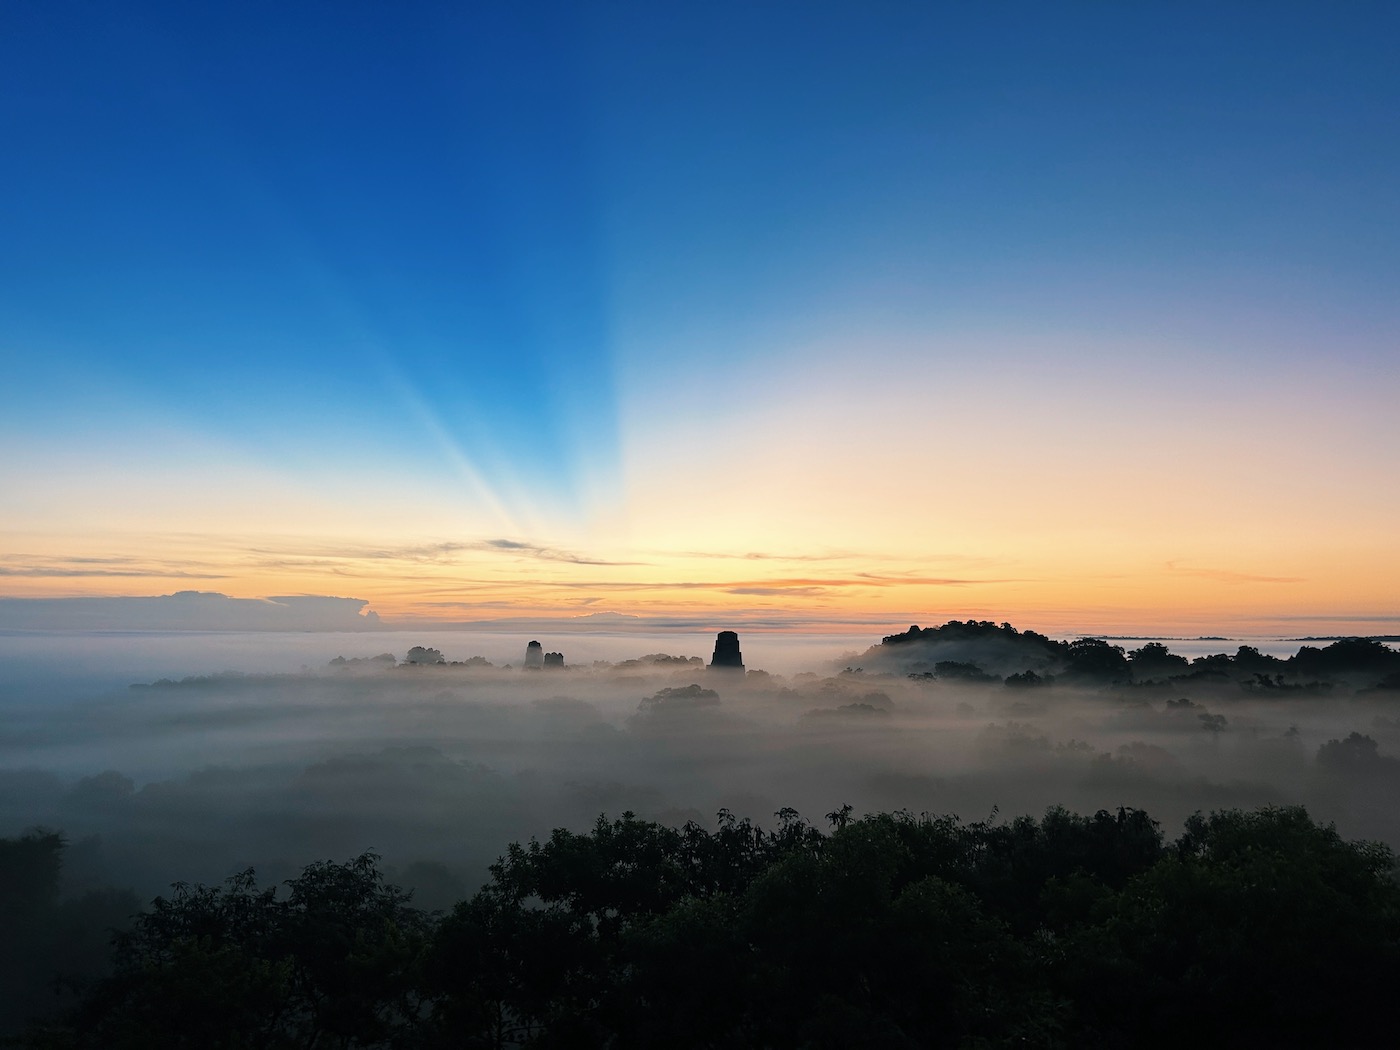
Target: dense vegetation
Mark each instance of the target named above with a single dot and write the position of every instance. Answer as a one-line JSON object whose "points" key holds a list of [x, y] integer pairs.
{"points": [[1253, 928], [50, 943], [1032, 658]]}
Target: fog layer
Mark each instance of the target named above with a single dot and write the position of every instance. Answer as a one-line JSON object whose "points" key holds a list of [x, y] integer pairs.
{"points": [[439, 766]]}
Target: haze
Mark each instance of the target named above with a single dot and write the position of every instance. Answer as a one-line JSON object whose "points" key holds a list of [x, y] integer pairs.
{"points": [[440, 766]]}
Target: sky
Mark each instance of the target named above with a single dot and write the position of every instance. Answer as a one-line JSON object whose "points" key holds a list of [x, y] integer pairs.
{"points": [[1081, 316]]}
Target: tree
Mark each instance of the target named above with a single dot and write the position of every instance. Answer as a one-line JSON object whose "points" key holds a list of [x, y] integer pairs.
{"points": [[29, 873], [53, 945], [238, 966], [1155, 660], [1364, 657], [891, 930], [1095, 660], [1258, 929]]}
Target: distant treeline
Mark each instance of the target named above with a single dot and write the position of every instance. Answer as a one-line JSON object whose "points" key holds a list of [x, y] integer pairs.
{"points": [[1255, 929], [1041, 660]]}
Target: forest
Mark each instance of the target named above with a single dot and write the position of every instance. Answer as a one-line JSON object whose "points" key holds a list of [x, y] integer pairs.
{"points": [[1023, 657], [1257, 928]]}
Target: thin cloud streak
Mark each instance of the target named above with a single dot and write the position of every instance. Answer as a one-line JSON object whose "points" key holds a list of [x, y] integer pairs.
{"points": [[785, 583], [547, 553], [1227, 576], [431, 553], [65, 567], [55, 572], [787, 592], [830, 556]]}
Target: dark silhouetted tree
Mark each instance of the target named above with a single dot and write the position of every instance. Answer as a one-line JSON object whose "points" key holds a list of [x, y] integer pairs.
{"points": [[1155, 660], [334, 961], [1095, 660]]}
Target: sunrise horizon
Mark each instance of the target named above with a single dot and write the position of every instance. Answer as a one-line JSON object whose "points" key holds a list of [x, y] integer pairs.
{"points": [[1079, 318], [735, 524], [209, 610]]}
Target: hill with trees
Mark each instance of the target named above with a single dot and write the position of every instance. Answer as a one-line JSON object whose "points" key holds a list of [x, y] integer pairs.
{"points": [[980, 650]]}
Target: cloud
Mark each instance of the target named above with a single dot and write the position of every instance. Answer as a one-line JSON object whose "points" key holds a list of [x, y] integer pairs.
{"points": [[862, 557], [65, 572], [764, 556], [503, 604], [766, 585], [791, 592], [78, 567], [547, 553], [1227, 576], [905, 579], [1356, 617], [439, 553], [188, 611]]}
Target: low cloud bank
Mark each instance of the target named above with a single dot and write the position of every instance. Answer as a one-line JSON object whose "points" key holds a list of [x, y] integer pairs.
{"points": [[188, 611]]}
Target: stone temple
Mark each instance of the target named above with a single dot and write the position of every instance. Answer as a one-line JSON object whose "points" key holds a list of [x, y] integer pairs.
{"points": [[727, 655]]}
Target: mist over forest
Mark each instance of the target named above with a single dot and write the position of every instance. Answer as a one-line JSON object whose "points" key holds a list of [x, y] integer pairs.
{"points": [[427, 765], [438, 765]]}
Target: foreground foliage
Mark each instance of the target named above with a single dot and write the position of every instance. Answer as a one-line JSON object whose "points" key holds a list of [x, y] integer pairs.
{"points": [[49, 943], [1252, 929]]}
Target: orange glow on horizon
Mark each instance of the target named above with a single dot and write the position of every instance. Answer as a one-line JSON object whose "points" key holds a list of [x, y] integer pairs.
{"points": [[436, 582]]}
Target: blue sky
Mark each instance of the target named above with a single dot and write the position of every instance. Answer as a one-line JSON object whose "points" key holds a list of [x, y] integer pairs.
{"points": [[277, 221], [505, 247]]}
